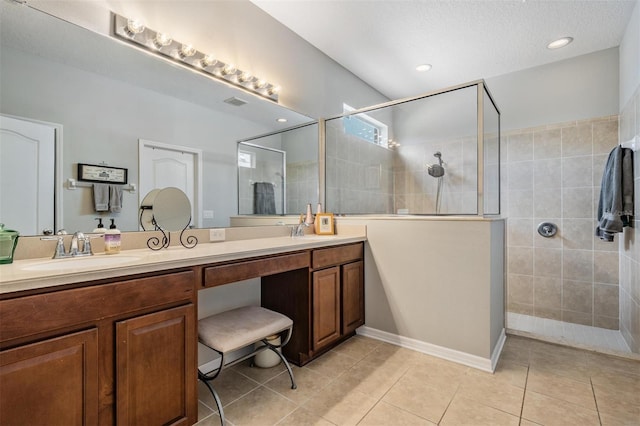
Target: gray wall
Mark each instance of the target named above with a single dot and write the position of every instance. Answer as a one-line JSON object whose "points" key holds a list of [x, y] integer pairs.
{"points": [[573, 89]]}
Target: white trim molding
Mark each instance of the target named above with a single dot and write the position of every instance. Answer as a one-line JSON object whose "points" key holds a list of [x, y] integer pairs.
{"points": [[484, 364]]}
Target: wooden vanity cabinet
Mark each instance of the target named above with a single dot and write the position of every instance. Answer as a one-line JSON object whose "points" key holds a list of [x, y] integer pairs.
{"points": [[327, 310], [102, 353]]}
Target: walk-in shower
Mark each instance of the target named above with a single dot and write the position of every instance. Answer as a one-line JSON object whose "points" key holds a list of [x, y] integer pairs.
{"points": [[376, 157]]}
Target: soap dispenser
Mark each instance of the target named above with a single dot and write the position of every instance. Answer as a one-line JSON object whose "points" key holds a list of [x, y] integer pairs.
{"points": [[100, 229], [112, 239]]}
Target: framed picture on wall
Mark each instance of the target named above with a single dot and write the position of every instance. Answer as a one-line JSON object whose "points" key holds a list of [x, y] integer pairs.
{"points": [[324, 224]]}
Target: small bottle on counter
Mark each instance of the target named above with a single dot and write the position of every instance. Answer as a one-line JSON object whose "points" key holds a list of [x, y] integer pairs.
{"points": [[100, 229], [112, 239]]}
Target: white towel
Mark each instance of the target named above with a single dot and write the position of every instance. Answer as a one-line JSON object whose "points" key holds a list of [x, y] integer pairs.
{"points": [[101, 197], [115, 198]]}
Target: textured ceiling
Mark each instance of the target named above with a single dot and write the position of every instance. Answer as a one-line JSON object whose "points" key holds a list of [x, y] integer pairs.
{"points": [[382, 41]]}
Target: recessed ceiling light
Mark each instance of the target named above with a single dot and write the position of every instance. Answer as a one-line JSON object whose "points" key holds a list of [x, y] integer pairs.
{"points": [[561, 42], [281, 120], [423, 67]]}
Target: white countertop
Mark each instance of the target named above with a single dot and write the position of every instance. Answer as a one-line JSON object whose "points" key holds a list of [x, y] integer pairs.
{"points": [[23, 275]]}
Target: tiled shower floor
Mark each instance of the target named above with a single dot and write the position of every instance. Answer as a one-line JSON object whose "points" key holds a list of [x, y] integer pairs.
{"points": [[582, 336]]}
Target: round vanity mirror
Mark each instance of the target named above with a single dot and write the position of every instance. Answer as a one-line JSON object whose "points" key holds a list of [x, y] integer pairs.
{"points": [[171, 209]]}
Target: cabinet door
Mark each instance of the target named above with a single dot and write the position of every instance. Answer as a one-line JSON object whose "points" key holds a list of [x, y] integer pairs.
{"points": [[326, 306], [352, 296], [156, 368], [54, 381]]}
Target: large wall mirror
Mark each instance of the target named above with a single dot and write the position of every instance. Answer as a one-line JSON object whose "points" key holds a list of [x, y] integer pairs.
{"points": [[102, 97]]}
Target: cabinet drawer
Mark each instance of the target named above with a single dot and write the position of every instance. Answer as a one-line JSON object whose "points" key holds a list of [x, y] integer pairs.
{"points": [[29, 315], [336, 255], [225, 274]]}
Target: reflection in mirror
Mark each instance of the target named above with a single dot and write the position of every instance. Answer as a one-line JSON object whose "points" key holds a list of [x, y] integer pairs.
{"points": [[104, 96], [409, 157], [278, 173], [166, 210]]}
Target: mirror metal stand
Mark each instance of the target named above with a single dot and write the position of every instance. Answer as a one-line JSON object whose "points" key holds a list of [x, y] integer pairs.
{"points": [[155, 243]]}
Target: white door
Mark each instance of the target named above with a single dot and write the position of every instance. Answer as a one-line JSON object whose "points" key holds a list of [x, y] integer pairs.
{"points": [[163, 166], [27, 175]]}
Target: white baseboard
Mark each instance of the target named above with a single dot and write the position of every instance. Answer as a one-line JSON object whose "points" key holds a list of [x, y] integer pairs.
{"points": [[484, 364]]}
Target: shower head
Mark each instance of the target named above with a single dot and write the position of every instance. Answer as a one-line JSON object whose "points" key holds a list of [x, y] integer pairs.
{"points": [[438, 155], [436, 170]]}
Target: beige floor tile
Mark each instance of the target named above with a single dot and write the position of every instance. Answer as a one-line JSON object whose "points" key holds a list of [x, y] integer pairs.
{"points": [[211, 420], [563, 388], [386, 414], [516, 349], [258, 374], [340, 404], [617, 381], [204, 411], [260, 407], [492, 393], [613, 420], [525, 422], [357, 347], [548, 411], [438, 373], [302, 417], [230, 386], [464, 411], [507, 372], [413, 394], [308, 382], [331, 364], [392, 356], [373, 380], [623, 405], [601, 362]]}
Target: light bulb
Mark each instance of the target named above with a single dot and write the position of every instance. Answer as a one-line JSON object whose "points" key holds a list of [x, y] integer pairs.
{"points": [[273, 90], [229, 69], [207, 61], [187, 50], [133, 27], [259, 84], [161, 40], [245, 76]]}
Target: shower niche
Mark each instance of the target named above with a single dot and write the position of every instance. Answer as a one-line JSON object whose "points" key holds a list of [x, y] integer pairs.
{"points": [[436, 154]]}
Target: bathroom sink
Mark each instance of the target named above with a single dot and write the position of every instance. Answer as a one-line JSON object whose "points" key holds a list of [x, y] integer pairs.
{"points": [[79, 262]]}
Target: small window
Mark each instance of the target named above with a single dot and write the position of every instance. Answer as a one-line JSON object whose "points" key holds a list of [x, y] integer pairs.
{"points": [[246, 159], [365, 127]]}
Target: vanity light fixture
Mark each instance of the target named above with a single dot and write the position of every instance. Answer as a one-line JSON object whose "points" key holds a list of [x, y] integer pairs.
{"points": [[134, 32], [423, 67], [561, 42]]}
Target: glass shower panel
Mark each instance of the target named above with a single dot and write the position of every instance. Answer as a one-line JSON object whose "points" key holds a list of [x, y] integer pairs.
{"points": [[491, 124], [288, 162], [413, 157], [261, 179]]}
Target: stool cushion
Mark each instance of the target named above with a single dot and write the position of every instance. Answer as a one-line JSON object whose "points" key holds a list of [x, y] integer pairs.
{"points": [[234, 329]]}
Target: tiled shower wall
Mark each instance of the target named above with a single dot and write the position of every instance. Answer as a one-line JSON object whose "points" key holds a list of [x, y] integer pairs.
{"points": [[302, 186], [553, 174], [416, 191], [359, 174], [630, 244]]}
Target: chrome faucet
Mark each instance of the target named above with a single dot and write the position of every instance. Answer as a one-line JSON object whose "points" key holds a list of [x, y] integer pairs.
{"points": [[74, 247], [298, 230]]}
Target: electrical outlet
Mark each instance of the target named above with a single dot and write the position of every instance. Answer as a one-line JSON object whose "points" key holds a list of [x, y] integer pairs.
{"points": [[216, 234], [207, 214]]}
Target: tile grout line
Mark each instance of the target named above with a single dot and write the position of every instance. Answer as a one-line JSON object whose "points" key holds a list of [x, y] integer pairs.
{"points": [[524, 394], [595, 400]]}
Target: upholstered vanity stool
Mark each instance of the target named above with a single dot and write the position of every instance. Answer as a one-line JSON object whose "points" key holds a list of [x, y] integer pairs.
{"points": [[239, 328]]}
